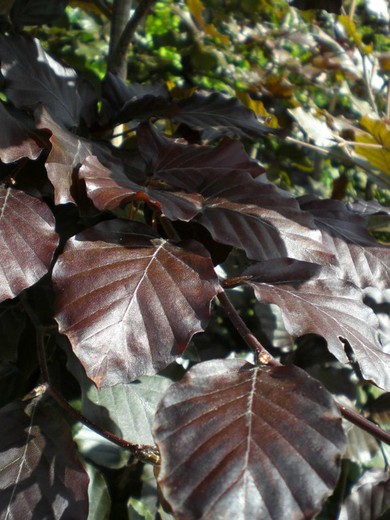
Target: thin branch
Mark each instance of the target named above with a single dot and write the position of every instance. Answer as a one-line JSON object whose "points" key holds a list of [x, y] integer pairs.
{"points": [[120, 17], [121, 47], [262, 355], [388, 101], [143, 452], [363, 423]]}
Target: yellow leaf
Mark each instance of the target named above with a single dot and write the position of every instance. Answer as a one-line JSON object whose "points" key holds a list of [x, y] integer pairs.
{"points": [[258, 108], [350, 27], [196, 9], [212, 31], [377, 133]]}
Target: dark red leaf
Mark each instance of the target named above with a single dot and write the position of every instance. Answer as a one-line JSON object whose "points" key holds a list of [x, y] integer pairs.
{"points": [[15, 139], [67, 153], [27, 241], [119, 296], [188, 166], [257, 217], [240, 442], [362, 260], [108, 189], [25, 63], [40, 474], [314, 301]]}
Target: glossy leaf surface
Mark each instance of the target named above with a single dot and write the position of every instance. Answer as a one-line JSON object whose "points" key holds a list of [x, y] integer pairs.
{"points": [[120, 295], [362, 260], [315, 301], [27, 241], [40, 474], [247, 443]]}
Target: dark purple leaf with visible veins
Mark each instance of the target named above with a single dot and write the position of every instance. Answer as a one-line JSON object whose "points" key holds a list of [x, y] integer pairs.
{"points": [[129, 303], [186, 166], [67, 153], [108, 189], [32, 76], [362, 260], [217, 111], [255, 216], [40, 474], [15, 140], [27, 241], [240, 442], [314, 301]]}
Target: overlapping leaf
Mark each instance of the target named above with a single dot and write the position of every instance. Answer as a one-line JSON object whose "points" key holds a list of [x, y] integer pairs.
{"points": [[369, 499], [32, 77], [129, 303], [27, 241], [40, 474], [377, 133], [239, 442], [313, 300], [189, 166], [109, 188], [15, 140], [66, 155], [362, 260]]}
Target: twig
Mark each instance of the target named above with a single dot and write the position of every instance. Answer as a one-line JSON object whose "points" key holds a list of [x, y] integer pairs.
{"points": [[363, 423], [367, 82], [142, 452], [352, 9], [262, 355]]}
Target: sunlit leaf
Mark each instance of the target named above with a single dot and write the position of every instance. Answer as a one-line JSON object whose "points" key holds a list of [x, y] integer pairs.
{"points": [[27, 241], [240, 442], [119, 295], [377, 135], [313, 300]]}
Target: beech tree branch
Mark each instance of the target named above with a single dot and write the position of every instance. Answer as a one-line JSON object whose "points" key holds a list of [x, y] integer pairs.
{"points": [[143, 452], [262, 355], [365, 424]]}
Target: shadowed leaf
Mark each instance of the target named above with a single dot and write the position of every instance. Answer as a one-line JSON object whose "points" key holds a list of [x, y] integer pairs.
{"points": [[119, 296], [313, 300], [40, 474], [27, 241], [15, 140], [32, 77], [332, 6], [247, 443]]}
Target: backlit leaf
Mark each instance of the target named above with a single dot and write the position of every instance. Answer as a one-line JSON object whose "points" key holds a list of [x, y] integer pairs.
{"points": [[377, 133], [240, 442], [313, 300], [119, 296], [27, 241], [40, 474]]}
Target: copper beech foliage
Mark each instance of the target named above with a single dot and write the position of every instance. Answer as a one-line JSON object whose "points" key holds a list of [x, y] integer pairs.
{"points": [[128, 240]]}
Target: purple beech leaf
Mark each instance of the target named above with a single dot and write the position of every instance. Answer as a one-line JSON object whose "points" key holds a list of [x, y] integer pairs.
{"points": [[217, 111], [369, 498], [66, 155], [362, 260], [118, 95], [119, 296], [40, 473], [240, 442], [313, 300], [27, 241], [109, 188], [16, 141], [368, 208], [32, 77], [257, 217], [188, 166], [332, 6]]}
